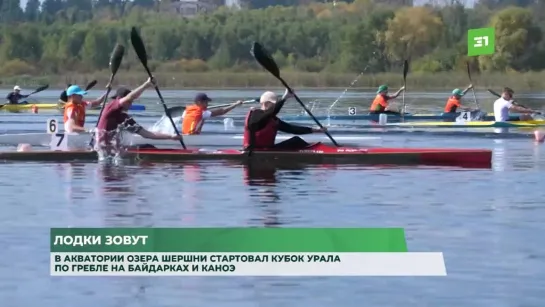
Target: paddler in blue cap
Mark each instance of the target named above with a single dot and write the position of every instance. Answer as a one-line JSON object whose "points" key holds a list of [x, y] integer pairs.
{"points": [[380, 104]]}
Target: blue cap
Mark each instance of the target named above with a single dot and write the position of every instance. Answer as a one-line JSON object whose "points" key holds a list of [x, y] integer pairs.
{"points": [[75, 90], [202, 97]]}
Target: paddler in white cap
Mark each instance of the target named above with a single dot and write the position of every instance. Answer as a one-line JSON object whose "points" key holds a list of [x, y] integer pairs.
{"points": [[15, 96], [262, 125]]}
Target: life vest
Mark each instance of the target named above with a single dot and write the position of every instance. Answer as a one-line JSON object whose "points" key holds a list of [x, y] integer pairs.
{"points": [[263, 138], [193, 120], [452, 105], [78, 113], [379, 104]]}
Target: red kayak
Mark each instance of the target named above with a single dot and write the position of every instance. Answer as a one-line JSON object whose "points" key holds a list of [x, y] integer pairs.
{"points": [[314, 153]]}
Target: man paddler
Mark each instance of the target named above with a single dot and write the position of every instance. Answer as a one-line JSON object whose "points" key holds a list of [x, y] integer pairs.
{"points": [[75, 109], [454, 101], [115, 116], [381, 102], [262, 125], [15, 96], [506, 104], [194, 115]]}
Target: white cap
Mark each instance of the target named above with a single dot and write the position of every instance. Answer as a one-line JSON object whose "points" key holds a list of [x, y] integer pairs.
{"points": [[268, 97], [17, 88]]}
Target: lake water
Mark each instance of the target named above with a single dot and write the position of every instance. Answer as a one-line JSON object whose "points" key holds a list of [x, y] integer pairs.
{"points": [[486, 222]]}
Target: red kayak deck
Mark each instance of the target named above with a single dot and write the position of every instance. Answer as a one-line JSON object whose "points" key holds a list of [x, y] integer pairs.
{"points": [[316, 153]]}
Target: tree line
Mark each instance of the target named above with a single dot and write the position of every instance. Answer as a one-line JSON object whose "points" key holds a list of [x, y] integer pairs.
{"points": [[61, 36]]}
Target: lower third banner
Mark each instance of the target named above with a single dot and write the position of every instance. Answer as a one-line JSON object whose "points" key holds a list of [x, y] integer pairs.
{"points": [[238, 252]]}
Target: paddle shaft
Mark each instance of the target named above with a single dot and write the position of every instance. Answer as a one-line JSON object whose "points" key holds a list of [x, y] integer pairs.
{"points": [[307, 110], [472, 88], [92, 141], [405, 70]]}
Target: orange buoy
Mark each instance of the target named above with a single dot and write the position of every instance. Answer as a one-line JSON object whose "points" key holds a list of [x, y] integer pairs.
{"points": [[539, 136], [34, 109]]}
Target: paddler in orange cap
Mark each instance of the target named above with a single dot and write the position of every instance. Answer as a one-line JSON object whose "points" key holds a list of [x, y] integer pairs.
{"points": [[262, 125], [194, 115], [74, 109], [380, 104]]}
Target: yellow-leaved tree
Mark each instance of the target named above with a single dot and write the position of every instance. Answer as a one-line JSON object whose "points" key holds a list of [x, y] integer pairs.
{"points": [[412, 32]]}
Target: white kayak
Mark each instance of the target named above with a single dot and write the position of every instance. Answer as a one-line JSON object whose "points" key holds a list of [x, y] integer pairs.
{"points": [[81, 140]]}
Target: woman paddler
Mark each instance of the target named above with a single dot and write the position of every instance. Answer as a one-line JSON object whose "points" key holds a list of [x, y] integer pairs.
{"points": [[262, 125], [115, 116]]}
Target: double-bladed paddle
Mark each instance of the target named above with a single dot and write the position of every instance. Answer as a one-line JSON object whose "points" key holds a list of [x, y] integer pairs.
{"points": [[140, 50], [473, 89], [177, 111], [115, 61], [515, 103], [266, 61], [405, 71]]}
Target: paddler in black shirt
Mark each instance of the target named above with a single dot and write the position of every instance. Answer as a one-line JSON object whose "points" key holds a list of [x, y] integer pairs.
{"points": [[64, 98], [15, 96], [262, 125]]}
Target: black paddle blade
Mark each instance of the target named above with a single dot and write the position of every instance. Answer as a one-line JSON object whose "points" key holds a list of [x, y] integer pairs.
{"points": [[91, 85], [139, 47], [264, 59], [493, 93], [42, 88], [405, 69], [116, 58]]}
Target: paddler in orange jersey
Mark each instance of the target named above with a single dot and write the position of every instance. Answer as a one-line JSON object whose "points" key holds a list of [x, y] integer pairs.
{"points": [[262, 125], [453, 103], [380, 104], [74, 109], [194, 115]]}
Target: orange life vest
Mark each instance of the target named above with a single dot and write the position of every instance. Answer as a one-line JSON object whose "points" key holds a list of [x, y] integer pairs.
{"points": [[379, 104], [452, 105], [78, 113], [193, 120]]}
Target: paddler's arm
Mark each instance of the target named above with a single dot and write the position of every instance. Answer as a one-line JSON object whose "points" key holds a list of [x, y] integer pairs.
{"points": [[134, 94], [467, 89], [156, 135], [396, 94], [97, 101], [222, 111], [520, 109], [72, 124], [294, 129]]}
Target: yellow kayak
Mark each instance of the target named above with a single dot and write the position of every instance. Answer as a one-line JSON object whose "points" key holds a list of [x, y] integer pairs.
{"points": [[476, 124]]}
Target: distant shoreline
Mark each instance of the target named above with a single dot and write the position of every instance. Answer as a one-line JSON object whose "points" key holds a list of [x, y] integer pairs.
{"points": [[531, 81]]}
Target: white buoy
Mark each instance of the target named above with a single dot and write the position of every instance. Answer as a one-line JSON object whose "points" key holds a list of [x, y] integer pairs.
{"points": [[24, 147], [228, 124], [382, 119], [539, 136]]}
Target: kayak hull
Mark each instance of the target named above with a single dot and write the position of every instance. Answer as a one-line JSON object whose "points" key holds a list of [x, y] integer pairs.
{"points": [[52, 106], [391, 117], [316, 153], [81, 141]]}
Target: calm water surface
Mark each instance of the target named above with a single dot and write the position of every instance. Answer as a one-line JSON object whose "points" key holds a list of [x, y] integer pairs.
{"points": [[487, 222]]}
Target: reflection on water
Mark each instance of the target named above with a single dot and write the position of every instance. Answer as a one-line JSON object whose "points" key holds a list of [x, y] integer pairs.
{"points": [[476, 217]]}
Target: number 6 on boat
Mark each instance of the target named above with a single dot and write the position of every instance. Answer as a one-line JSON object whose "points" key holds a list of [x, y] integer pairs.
{"points": [[51, 126]]}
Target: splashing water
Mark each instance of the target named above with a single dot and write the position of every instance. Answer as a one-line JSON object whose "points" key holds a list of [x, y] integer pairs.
{"points": [[228, 124], [163, 125]]}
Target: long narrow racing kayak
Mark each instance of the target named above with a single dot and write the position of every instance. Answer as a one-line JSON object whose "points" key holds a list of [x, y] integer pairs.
{"points": [[81, 141], [390, 117], [315, 153], [51, 106]]}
